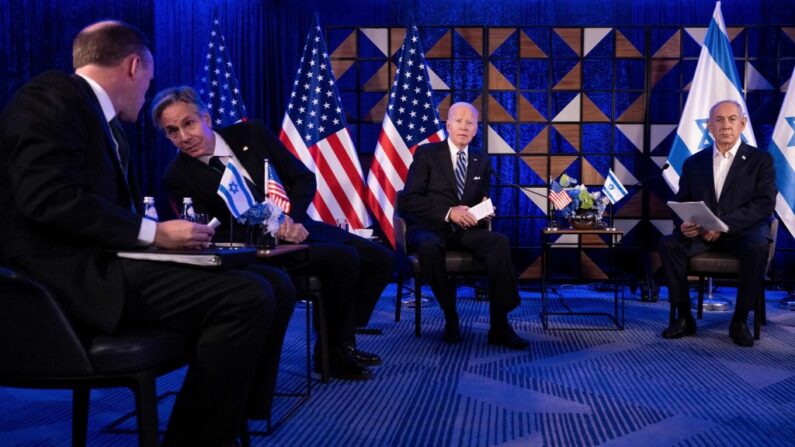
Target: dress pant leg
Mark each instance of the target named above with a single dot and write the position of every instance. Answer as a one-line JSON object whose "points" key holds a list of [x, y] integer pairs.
{"points": [[229, 315], [264, 386], [376, 267], [752, 252], [337, 266], [675, 253], [431, 249], [494, 251]]}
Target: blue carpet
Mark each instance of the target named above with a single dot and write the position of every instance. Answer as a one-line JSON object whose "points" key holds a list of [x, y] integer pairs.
{"points": [[572, 387]]}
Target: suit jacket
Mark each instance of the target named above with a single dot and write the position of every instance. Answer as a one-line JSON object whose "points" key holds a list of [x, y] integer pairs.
{"points": [[430, 186], [748, 197], [251, 143], [64, 199]]}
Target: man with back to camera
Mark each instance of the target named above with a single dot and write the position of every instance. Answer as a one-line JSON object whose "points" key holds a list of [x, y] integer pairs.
{"points": [[444, 181], [353, 271], [69, 199], [738, 184]]}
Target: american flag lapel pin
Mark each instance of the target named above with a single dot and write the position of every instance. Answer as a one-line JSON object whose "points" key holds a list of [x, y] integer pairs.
{"points": [[245, 148]]}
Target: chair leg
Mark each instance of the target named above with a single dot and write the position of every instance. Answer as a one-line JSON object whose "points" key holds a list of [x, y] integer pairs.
{"points": [[759, 314], [81, 396], [417, 303], [323, 336], [700, 311], [145, 391], [399, 297]]}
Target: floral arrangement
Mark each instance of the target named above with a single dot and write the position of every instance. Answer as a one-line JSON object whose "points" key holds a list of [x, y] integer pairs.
{"points": [[267, 214], [582, 199]]}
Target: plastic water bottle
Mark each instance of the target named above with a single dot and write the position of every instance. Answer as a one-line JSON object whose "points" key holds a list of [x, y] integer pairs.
{"points": [[187, 210], [150, 212]]}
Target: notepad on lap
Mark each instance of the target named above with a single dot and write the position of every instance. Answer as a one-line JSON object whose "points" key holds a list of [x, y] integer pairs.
{"points": [[700, 214], [482, 209]]}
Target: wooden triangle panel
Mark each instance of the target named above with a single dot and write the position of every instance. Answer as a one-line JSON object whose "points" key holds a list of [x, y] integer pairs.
{"points": [[444, 106], [376, 114], [533, 271], [340, 66], [589, 268], [657, 208], [592, 113], [528, 113], [635, 112], [625, 48], [789, 32], [572, 37], [473, 36], [497, 112], [559, 163], [633, 206], [497, 80], [592, 241], [539, 144], [528, 48], [381, 80], [498, 36], [396, 37], [538, 165], [661, 67], [572, 80], [570, 132], [443, 47], [671, 47], [733, 32], [346, 49], [590, 176]]}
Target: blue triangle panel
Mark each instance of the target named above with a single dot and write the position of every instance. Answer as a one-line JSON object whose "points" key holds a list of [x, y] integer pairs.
{"points": [[430, 35], [559, 145], [438, 96], [528, 177], [467, 74], [335, 36], [504, 199], [462, 49], [367, 48], [507, 100], [527, 132], [763, 106], [596, 138], [508, 68], [573, 170], [664, 108], [634, 164], [507, 226], [769, 70], [601, 163], [540, 36], [507, 132], [630, 74], [660, 36], [540, 100], [367, 68], [463, 95], [605, 48], [673, 78], [349, 106], [367, 100], [505, 167], [528, 208], [767, 50], [785, 68], [636, 36], [534, 74], [443, 68], [786, 46], [602, 100], [690, 48], [348, 79], [562, 67], [509, 49], [368, 138], [560, 49], [559, 101], [622, 144], [623, 100], [597, 74]]}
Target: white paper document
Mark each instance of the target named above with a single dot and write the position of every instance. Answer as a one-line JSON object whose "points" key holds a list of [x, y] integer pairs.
{"points": [[482, 209], [698, 213]]}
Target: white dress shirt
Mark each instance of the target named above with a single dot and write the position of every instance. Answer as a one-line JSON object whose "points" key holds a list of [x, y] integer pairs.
{"points": [[224, 152], [721, 163]]}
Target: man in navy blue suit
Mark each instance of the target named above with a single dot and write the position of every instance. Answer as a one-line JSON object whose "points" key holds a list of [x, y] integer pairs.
{"points": [[444, 181], [737, 182]]}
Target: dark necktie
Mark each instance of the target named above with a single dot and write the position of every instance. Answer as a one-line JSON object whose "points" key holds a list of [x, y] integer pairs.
{"points": [[122, 147], [216, 163], [460, 173]]}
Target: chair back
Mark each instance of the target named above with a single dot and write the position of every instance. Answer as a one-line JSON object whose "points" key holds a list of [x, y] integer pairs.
{"points": [[772, 246], [36, 337]]}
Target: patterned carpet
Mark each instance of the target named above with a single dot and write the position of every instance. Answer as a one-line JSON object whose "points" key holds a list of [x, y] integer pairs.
{"points": [[572, 387]]}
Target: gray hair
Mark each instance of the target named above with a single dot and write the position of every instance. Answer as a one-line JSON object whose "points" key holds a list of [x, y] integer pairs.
{"points": [[726, 101], [170, 96], [463, 104]]}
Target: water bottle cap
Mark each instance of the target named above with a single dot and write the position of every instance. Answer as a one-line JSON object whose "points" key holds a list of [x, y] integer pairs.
{"points": [[187, 200], [149, 199]]}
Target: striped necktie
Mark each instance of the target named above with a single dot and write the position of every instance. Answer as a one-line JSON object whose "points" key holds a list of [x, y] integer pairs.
{"points": [[122, 147], [460, 173]]}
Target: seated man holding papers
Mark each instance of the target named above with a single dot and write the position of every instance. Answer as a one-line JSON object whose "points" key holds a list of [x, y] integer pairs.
{"points": [[444, 185], [737, 183]]}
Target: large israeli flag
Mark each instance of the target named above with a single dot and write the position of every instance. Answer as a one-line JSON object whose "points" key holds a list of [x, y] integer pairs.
{"points": [[715, 79], [234, 190], [782, 148]]}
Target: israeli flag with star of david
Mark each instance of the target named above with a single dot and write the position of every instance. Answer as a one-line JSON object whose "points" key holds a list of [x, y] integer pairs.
{"points": [[234, 191], [782, 148], [716, 79]]}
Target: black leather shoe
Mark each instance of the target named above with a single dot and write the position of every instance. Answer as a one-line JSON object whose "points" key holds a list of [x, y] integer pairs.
{"points": [[452, 333], [508, 338], [362, 357], [681, 327], [343, 366], [740, 335]]}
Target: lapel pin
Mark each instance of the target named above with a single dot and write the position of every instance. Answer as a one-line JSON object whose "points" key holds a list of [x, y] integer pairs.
{"points": [[743, 157], [245, 148]]}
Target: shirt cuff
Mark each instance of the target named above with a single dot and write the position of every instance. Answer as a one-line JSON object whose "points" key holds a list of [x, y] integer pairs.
{"points": [[447, 216], [146, 234]]}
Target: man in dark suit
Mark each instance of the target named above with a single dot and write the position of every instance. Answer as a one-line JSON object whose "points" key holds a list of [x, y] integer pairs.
{"points": [[737, 182], [444, 181], [69, 200], [353, 271]]}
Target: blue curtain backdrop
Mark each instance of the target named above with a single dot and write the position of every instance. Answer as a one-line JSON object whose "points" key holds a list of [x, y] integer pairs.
{"points": [[265, 39]]}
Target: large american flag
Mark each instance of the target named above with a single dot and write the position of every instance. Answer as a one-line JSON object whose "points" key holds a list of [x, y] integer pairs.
{"points": [[411, 120], [314, 130], [217, 84]]}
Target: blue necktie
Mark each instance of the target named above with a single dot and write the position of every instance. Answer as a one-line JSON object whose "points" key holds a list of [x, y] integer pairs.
{"points": [[460, 173]]}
